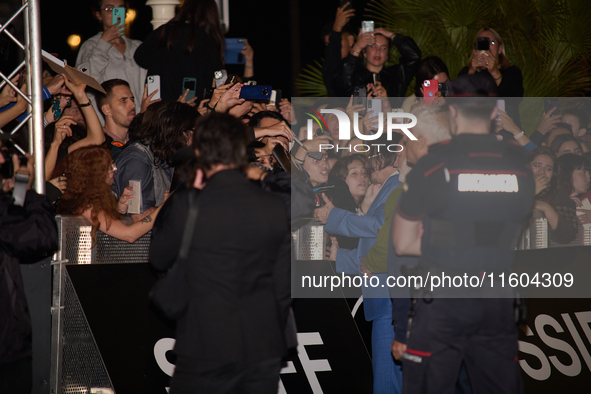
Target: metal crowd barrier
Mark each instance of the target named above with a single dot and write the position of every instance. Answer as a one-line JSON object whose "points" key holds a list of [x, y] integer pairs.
{"points": [[310, 241], [76, 363], [536, 236]]}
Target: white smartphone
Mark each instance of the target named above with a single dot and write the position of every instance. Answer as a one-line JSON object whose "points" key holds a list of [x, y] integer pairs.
{"points": [[374, 107], [275, 98], [501, 107], [135, 204], [153, 84]]}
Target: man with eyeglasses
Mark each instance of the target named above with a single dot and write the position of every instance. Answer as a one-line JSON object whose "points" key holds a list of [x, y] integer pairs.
{"points": [[109, 54]]}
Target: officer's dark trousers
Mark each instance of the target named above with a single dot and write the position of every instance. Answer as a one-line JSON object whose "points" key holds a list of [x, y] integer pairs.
{"points": [[444, 332]]}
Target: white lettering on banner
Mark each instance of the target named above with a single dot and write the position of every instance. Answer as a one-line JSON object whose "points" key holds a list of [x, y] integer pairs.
{"points": [[160, 349], [491, 183], [310, 366], [546, 360], [545, 370], [345, 125], [304, 339], [572, 369]]}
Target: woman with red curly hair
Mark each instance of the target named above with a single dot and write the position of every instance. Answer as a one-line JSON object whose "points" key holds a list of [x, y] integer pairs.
{"points": [[90, 172]]}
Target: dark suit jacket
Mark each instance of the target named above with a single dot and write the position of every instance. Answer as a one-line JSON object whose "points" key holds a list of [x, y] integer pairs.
{"points": [[238, 271]]}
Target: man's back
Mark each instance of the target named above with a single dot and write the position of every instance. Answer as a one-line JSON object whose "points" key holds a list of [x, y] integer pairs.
{"points": [[238, 273]]}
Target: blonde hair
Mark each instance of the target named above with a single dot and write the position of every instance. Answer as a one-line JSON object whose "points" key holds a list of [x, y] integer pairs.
{"points": [[503, 60]]}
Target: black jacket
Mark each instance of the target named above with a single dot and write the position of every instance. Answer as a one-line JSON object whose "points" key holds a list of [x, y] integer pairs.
{"points": [[238, 272], [395, 79], [25, 232], [175, 65]]}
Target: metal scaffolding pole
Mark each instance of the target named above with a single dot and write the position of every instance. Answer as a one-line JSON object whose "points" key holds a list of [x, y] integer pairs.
{"points": [[34, 95], [35, 62]]}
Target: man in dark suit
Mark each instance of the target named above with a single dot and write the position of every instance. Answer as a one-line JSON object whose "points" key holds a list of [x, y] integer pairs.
{"points": [[231, 336]]}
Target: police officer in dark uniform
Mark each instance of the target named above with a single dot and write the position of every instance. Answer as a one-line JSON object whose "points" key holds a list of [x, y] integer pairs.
{"points": [[462, 212]]}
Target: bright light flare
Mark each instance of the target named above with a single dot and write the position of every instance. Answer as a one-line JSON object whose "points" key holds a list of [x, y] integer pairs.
{"points": [[74, 41]]}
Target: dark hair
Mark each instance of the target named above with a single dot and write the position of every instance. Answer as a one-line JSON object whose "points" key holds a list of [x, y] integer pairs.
{"points": [[341, 167], [97, 5], [166, 131], [580, 115], [429, 67], [103, 99], [198, 14], [561, 139], [379, 153], [541, 150], [475, 107], [255, 120], [562, 125], [220, 139], [568, 164]]}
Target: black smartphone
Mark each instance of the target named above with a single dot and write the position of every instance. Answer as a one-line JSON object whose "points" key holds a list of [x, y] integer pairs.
{"points": [[550, 103], [360, 97], [343, 2], [189, 83], [482, 44], [442, 86], [282, 157]]}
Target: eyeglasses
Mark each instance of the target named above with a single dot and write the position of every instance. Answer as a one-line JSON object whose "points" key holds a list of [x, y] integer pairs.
{"points": [[109, 8], [113, 168]]}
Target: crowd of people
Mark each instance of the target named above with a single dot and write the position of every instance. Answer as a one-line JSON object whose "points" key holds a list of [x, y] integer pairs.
{"points": [[130, 163]]}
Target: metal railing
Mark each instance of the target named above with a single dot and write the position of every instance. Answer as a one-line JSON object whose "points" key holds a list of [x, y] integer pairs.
{"points": [[76, 362]]}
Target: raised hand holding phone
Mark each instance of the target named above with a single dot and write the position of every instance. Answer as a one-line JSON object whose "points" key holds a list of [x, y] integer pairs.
{"points": [[113, 32]]}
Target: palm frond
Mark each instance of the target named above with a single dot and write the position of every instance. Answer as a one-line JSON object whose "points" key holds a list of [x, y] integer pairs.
{"points": [[310, 81]]}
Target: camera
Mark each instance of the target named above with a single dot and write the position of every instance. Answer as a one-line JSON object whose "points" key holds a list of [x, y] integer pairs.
{"points": [[426, 83], [150, 79]]}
